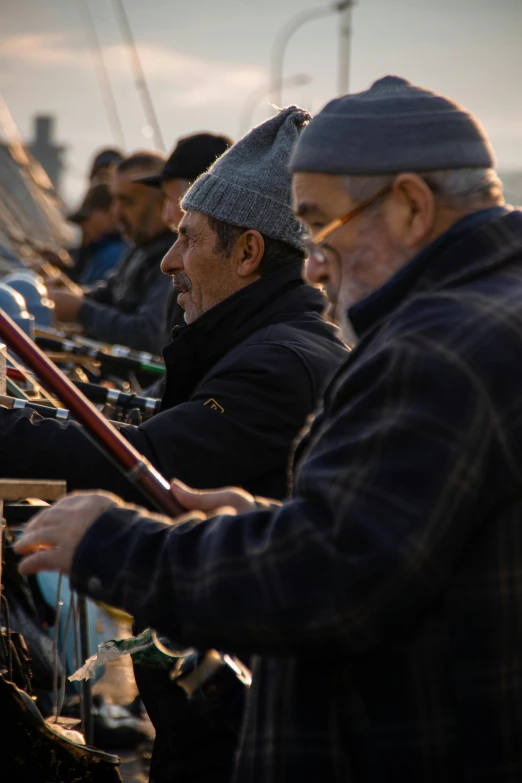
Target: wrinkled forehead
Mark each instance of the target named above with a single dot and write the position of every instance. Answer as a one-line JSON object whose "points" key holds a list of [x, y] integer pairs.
{"points": [[194, 220], [318, 196]]}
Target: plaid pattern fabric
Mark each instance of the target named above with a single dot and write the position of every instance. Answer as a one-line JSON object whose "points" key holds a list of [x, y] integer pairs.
{"points": [[384, 601]]}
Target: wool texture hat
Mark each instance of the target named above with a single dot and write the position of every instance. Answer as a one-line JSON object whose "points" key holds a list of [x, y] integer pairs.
{"points": [[392, 127], [250, 185], [192, 156]]}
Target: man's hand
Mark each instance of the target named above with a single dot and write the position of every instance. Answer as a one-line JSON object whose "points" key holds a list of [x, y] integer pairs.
{"points": [[210, 500], [67, 305], [62, 259], [53, 536]]}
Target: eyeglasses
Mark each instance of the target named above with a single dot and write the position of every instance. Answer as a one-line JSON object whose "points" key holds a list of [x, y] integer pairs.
{"points": [[313, 244]]}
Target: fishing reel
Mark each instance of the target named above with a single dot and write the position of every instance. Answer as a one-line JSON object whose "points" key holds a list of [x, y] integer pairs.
{"points": [[213, 683], [193, 669]]}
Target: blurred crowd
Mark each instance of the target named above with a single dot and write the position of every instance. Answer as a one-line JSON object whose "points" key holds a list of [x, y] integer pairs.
{"points": [[111, 283]]}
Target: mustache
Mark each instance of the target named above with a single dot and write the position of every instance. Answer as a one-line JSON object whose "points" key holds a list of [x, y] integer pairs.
{"points": [[181, 280]]}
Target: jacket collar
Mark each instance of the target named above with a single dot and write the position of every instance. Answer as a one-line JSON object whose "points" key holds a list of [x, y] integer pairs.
{"points": [[474, 245], [197, 347], [109, 238]]}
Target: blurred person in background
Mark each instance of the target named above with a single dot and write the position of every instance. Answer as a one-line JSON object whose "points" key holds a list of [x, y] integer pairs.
{"points": [[130, 307], [104, 165], [71, 261], [192, 156], [102, 246]]}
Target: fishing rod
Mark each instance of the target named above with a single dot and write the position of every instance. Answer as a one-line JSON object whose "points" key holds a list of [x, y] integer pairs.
{"points": [[107, 94], [136, 468], [14, 390], [46, 411], [100, 395], [120, 359], [18, 372], [138, 74], [16, 403], [126, 400], [117, 350]]}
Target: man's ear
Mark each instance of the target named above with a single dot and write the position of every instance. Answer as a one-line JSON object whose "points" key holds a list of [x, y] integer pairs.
{"points": [[412, 210], [249, 252]]}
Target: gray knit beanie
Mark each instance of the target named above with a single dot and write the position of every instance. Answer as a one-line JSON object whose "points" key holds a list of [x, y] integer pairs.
{"points": [[250, 184], [392, 127]]}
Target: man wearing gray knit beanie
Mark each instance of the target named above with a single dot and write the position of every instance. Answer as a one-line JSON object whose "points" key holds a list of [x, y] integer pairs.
{"points": [[241, 204], [393, 575], [382, 601], [414, 162], [392, 578], [251, 360]]}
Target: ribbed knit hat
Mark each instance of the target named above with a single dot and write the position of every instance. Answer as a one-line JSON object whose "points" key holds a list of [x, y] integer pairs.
{"points": [[250, 185], [392, 127]]}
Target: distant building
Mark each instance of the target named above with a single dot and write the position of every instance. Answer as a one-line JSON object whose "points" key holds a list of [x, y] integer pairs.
{"points": [[45, 150]]}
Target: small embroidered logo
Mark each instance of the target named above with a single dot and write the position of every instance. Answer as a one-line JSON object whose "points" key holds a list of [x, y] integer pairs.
{"points": [[215, 406]]}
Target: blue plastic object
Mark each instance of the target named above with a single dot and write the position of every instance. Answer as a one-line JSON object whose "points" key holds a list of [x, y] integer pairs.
{"points": [[101, 626], [13, 303], [33, 290]]}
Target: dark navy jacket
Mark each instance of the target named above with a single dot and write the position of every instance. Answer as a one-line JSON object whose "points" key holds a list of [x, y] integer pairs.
{"points": [[241, 381], [385, 598], [103, 256], [130, 306]]}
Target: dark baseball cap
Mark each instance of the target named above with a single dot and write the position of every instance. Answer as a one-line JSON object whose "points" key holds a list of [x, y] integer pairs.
{"points": [[97, 197], [106, 157], [191, 157]]}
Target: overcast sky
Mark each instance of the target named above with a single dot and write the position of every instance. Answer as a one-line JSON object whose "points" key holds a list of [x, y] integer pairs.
{"points": [[204, 59]]}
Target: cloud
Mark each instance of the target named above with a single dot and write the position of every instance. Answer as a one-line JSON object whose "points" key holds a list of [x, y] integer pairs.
{"points": [[39, 49], [190, 80]]}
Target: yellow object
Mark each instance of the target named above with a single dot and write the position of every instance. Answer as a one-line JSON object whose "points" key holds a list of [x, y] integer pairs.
{"points": [[116, 614]]}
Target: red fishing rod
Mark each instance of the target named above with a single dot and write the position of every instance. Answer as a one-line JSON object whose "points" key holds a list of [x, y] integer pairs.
{"points": [[136, 468]]}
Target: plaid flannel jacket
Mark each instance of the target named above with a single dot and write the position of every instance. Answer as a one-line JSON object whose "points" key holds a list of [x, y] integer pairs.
{"points": [[383, 602]]}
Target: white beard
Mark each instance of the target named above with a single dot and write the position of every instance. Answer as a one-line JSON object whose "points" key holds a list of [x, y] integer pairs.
{"points": [[377, 251], [347, 330]]}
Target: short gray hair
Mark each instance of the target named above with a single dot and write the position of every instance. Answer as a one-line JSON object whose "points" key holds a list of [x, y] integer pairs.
{"points": [[459, 188]]}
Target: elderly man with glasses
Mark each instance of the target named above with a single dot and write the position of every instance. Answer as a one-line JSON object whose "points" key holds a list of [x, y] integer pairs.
{"points": [[383, 599]]}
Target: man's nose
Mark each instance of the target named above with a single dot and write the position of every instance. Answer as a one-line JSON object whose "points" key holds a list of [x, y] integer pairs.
{"points": [[116, 210], [172, 261], [316, 270]]}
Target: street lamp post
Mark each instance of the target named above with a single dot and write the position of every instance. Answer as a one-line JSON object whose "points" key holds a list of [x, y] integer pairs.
{"points": [[252, 101], [283, 37]]}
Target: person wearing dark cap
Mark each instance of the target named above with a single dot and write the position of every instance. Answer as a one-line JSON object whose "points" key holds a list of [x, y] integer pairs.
{"points": [[384, 597], [130, 306], [102, 246], [192, 156], [104, 165]]}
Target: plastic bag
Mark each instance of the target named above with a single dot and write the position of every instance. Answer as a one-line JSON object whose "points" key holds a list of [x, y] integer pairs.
{"points": [[142, 648]]}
